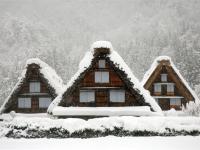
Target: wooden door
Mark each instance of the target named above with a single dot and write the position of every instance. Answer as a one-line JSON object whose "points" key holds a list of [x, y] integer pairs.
{"points": [[102, 98], [34, 104], [164, 103]]}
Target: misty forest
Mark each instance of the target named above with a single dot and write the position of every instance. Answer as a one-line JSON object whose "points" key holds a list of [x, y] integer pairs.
{"points": [[61, 31]]}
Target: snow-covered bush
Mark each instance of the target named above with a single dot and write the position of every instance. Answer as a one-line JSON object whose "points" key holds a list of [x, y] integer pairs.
{"points": [[192, 109], [12, 114], [41, 127]]}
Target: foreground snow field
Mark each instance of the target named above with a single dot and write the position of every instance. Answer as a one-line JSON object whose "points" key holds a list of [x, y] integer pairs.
{"points": [[110, 142]]}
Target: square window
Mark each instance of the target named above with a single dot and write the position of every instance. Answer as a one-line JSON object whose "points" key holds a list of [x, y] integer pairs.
{"points": [[170, 87], [44, 102], [102, 64], [24, 102], [157, 88], [101, 77], [34, 87], [163, 77], [117, 96], [87, 96]]}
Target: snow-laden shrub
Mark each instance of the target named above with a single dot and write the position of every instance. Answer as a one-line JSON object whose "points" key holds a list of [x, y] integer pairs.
{"points": [[12, 114], [192, 109]]}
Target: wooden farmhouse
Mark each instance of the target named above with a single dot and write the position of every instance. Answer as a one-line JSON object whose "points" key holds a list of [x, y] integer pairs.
{"points": [[35, 90], [103, 86], [167, 85]]}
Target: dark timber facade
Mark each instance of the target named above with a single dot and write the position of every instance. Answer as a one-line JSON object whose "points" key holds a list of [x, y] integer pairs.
{"points": [[32, 94], [166, 86], [102, 84]]}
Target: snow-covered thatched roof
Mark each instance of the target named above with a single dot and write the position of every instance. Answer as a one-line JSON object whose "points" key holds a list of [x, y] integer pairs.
{"points": [[119, 62], [46, 71], [154, 66]]}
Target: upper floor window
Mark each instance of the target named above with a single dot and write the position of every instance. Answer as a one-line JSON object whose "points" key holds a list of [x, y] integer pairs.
{"points": [[175, 101], [101, 77], [87, 96], [34, 87], [102, 64], [163, 77], [24, 102], [170, 87], [44, 102], [157, 88], [117, 95]]}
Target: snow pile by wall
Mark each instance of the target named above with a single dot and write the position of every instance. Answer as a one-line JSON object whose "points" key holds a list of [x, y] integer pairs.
{"points": [[30, 127], [118, 61], [104, 111]]}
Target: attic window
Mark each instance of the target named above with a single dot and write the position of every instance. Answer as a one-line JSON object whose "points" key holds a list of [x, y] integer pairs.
{"points": [[163, 77], [102, 63], [101, 77], [34, 87]]}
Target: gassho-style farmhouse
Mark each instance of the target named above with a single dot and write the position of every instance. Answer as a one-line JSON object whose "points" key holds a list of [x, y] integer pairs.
{"points": [[102, 86]]}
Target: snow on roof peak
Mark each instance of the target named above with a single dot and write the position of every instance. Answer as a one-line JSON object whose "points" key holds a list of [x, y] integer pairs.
{"points": [[160, 58], [101, 44], [154, 65]]}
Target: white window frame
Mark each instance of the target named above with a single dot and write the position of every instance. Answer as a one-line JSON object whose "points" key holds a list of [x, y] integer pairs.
{"points": [[164, 77], [87, 96], [170, 87], [44, 102], [34, 87], [24, 102], [117, 96], [102, 63], [102, 77], [175, 101], [157, 87]]}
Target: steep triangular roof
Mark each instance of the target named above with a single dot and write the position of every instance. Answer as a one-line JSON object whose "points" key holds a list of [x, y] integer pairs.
{"points": [[46, 72], [156, 64], [119, 63]]}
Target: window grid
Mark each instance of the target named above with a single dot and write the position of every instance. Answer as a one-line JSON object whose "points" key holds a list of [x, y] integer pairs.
{"points": [[34, 87], [117, 96], [24, 102], [170, 87], [175, 101], [44, 102], [163, 77], [87, 96], [101, 77], [157, 88], [102, 64]]}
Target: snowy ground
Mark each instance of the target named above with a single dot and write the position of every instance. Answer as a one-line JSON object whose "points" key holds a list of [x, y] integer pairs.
{"points": [[116, 143]]}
